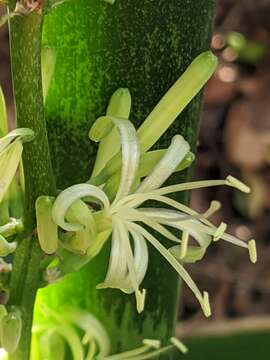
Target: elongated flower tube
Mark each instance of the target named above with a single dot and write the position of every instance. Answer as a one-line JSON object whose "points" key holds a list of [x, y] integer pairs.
{"points": [[176, 99], [125, 217], [94, 344], [10, 155]]}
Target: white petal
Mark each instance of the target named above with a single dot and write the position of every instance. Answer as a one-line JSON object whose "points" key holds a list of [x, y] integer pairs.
{"points": [[130, 156], [69, 196], [175, 153]]}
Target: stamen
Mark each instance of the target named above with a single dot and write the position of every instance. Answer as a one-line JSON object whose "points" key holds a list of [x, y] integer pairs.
{"points": [[206, 305], [252, 251], [232, 181], [152, 343], [140, 299], [214, 206], [130, 355], [190, 186], [137, 215], [219, 231], [184, 244], [202, 298], [179, 345]]}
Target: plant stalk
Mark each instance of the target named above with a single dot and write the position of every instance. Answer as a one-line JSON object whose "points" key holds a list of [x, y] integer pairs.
{"points": [[25, 46]]}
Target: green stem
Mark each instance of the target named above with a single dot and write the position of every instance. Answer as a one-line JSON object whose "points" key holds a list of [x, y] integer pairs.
{"points": [[25, 43]]}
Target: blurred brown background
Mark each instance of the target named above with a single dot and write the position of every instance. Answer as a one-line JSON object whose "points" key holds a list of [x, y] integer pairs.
{"points": [[234, 139]]}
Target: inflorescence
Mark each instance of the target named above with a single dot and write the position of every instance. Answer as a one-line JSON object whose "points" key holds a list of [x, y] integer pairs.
{"points": [[73, 226]]}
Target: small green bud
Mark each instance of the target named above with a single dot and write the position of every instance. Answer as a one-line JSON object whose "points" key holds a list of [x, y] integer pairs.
{"points": [[11, 327], [120, 104], [6, 247], [46, 228]]}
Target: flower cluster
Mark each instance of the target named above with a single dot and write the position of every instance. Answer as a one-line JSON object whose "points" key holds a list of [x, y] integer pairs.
{"points": [[73, 225], [126, 175], [11, 147], [54, 330]]}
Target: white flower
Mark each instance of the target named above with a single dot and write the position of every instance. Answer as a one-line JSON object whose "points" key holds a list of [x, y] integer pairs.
{"points": [[127, 219], [122, 181]]}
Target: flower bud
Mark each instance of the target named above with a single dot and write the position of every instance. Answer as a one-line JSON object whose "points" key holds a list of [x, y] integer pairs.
{"points": [[11, 327]]}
